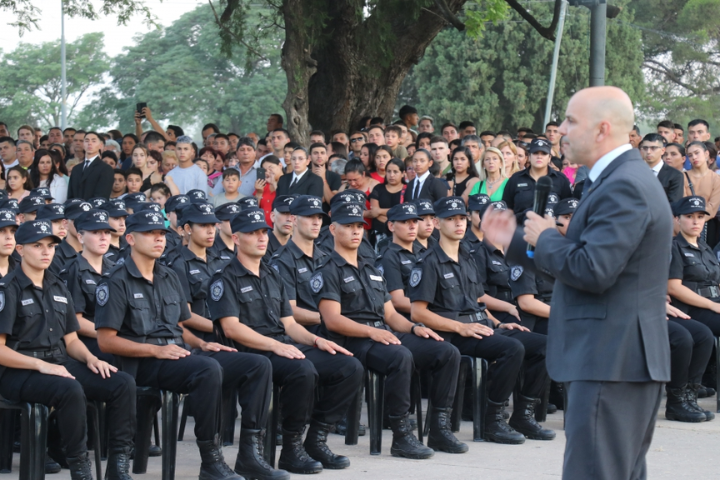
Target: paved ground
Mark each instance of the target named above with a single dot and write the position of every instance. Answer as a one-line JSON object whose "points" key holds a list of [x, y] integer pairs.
{"points": [[679, 450]]}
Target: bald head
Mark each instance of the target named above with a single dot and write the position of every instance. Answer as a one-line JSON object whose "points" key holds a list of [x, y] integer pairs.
{"points": [[598, 120]]}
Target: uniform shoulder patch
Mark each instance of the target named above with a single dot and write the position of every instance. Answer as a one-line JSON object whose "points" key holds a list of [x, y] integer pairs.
{"points": [[515, 273], [381, 269], [217, 289], [275, 267], [102, 294], [415, 277], [317, 282]]}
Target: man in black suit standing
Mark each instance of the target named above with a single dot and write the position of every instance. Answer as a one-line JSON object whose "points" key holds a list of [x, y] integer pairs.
{"points": [[92, 177], [425, 185], [607, 337], [301, 181], [652, 149]]}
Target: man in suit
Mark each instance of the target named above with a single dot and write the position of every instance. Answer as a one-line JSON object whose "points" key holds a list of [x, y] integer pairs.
{"points": [[425, 185], [652, 149], [91, 178], [301, 181], [607, 337]]}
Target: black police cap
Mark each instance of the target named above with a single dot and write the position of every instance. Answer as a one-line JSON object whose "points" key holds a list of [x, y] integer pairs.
{"points": [[566, 206], [72, 201], [227, 211], [249, 220], [51, 211], [201, 213], [424, 207], [540, 145], [98, 202], [691, 204], [282, 203], [11, 203], [34, 231], [347, 213], [197, 195], [449, 206], [31, 204], [402, 212], [478, 202], [176, 202], [136, 197], [146, 221], [151, 206], [3, 195], [7, 218], [306, 206], [43, 192], [93, 221], [248, 202], [349, 196], [116, 208]]}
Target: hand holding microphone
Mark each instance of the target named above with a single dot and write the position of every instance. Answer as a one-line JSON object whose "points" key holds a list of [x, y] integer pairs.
{"points": [[542, 190]]}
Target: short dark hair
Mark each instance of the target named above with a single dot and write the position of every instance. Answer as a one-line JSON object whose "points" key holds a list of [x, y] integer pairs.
{"points": [[317, 145], [179, 132], [232, 134], [438, 139], [525, 129], [246, 142], [679, 127], [317, 132], [229, 172], [278, 117], [336, 131], [339, 148], [448, 124], [119, 171], [293, 145], [7, 139], [282, 130], [100, 137], [698, 121], [133, 171], [377, 121], [666, 124], [637, 129], [373, 127], [212, 126], [222, 135], [53, 128], [552, 124], [154, 137], [464, 124], [67, 130], [406, 110], [109, 154], [394, 128], [270, 158], [355, 165], [162, 188], [485, 133], [654, 137], [680, 148]]}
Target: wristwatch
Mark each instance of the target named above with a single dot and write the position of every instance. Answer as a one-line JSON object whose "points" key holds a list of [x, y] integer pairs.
{"points": [[412, 329]]}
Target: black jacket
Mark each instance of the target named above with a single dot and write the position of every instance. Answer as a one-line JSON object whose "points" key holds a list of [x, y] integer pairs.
{"points": [[672, 182], [309, 184], [95, 181], [433, 189]]}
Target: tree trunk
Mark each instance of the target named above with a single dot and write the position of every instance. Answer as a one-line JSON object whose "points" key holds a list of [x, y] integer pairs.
{"points": [[333, 83]]}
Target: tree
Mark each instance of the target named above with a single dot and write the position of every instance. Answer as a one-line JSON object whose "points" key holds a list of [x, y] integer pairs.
{"points": [[30, 86], [500, 80], [180, 72]]}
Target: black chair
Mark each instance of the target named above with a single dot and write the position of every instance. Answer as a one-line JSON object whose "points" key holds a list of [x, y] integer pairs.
{"points": [[717, 373], [147, 403], [477, 368], [229, 403], [270, 447]]}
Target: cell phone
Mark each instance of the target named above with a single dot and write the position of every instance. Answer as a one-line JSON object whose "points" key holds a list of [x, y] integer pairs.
{"points": [[261, 173], [140, 107]]}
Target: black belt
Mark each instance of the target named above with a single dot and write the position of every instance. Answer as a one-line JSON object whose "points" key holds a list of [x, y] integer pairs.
{"points": [[712, 291], [165, 341], [477, 317], [376, 324], [55, 352]]}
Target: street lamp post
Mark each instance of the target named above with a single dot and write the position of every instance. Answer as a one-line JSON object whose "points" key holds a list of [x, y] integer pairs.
{"points": [[62, 62]]}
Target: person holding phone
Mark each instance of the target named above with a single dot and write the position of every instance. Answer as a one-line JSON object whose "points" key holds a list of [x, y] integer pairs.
{"points": [[268, 176]]}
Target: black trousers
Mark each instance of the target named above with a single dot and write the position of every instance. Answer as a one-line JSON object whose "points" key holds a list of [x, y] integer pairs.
{"points": [[251, 376], [199, 377], [707, 317], [68, 398], [337, 379], [691, 345], [397, 363], [510, 351]]}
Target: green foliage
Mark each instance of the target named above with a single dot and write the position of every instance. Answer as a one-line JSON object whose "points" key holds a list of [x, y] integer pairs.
{"points": [[181, 74], [30, 87], [500, 80], [486, 11]]}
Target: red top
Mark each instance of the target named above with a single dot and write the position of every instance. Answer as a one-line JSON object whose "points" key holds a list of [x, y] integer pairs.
{"points": [[266, 202]]}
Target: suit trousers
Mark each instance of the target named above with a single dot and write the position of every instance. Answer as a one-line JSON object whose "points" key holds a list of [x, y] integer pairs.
{"points": [[691, 345], [609, 427]]}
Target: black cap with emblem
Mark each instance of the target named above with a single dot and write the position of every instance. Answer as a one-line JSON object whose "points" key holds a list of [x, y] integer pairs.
{"points": [[98, 202], [248, 202], [688, 205], [151, 207], [31, 204], [249, 220], [282, 203], [424, 207], [449, 207], [347, 213], [402, 212], [478, 202], [349, 196], [176, 202], [51, 211], [197, 195], [147, 221], [566, 206], [306, 206], [43, 192], [116, 208], [200, 213], [34, 231], [74, 210], [540, 145], [227, 211], [10, 203], [7, 218], [93, 221]]}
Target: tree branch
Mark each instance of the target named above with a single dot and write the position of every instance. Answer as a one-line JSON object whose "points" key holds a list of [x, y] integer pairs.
{"points": [[220, 23], [546, 32], [449, 16]]}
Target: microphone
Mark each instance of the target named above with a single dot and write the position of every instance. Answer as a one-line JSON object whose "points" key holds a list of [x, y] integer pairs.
{"points": [[542, 190]]}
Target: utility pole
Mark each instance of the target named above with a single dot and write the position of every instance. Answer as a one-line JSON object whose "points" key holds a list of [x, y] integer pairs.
{"points": [[62, 61], [553, 69], [598, 37]]}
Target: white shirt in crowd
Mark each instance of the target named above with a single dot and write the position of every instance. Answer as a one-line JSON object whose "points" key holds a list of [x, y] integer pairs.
{"points": [[190, 178]]}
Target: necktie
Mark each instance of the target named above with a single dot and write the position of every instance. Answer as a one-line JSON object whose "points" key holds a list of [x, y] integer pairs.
{"points": [[294, 182], [416, 190], [87, 164], [586, 186]]}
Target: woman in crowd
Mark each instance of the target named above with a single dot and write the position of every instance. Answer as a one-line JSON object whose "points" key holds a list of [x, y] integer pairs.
{"points": [[140, 157], [44, 174], [129, 141], [378, 161], [366, 152], [110, 158], [265, 188], [216, 163], [203, 164], [386, 195], [522, 157], [356, 178], [463, 175], [512, 156], [57, 151], [674, 156], [702, 181], [493, 175], [17, 183], [169, 161]]}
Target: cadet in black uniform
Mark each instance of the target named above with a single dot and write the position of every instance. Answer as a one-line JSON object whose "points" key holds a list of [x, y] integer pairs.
{"points": [[426, 226], [223, 246], [326, 241], [8, 227], [83, 273], [249, 374], [172, 206], [70, 247], [357, 309], [29, 207], [133, 201], [116, 218], [298, 259], [54, 212], [477, 204], [282, 224], [42, 360], [139, 307], [520, 189], [694, 288], [444, 290], [99, 203], [249, 304]]}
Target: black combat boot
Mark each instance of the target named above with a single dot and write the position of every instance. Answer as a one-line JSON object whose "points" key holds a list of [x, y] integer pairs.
{"points": [[441, 436], [523, 420], [677, 407], [118, 465], [250, 461], [496, 430], [316, 447], [404, 443], [80, 467], [294, 458], [51, 466], [213, 466], [691, 394]]}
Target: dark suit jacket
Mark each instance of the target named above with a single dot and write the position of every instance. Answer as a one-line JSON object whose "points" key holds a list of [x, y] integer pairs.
{"points": [[672, 182], [433, 189], [309, 184], [95, 181], [608, 321]]}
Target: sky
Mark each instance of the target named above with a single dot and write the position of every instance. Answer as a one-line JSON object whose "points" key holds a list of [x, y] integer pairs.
{"points": [[116, 37]]}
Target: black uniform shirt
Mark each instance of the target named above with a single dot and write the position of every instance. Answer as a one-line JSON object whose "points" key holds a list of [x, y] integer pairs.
{"points": [[259, 302], [525, 282], [273, 245], [114, 253], [194, 275], [520, 190], [695, 266], [33, 318], [418, 247], [327, 242], [138, 308], [82, 280], [493, 270], [64, 252], [395, 264], [451, 288], [221, 251], [361, 291], [296, 269], [12, 264]]}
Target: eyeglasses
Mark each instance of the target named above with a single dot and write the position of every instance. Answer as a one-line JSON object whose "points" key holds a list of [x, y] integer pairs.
{"points": [[356, 139], [649, 148]]}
